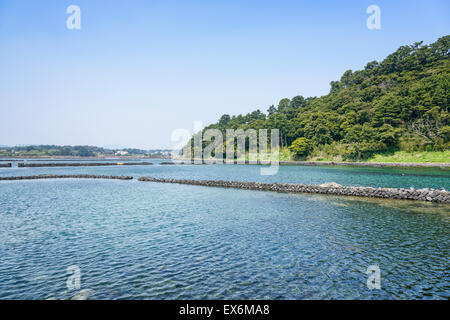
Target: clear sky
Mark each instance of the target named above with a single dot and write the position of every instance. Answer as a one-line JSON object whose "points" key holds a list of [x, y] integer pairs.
{"points": [[137, 70]]}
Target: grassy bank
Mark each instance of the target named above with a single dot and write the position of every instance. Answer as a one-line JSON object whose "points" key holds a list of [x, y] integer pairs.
{"points": [[397, 157], [417, 157]]}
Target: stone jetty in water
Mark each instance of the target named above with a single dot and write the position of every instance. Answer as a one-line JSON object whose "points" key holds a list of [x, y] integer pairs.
{"points": [[80, 164], [65, 176], [432, 195], [332, 188], [5, 165]]}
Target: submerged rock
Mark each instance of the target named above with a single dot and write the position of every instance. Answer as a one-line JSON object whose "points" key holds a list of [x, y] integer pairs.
{"points": [[330, 185]]}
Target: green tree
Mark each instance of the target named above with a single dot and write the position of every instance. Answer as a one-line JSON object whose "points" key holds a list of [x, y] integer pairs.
{"points": [[283, 104], [302, 147]]}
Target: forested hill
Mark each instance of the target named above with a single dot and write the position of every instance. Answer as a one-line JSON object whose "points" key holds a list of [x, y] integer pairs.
{"points": [[400, 103], [75, 151]]}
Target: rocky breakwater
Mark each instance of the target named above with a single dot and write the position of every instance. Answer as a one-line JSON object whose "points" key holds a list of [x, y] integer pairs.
{"points": [[80, 164], [5, 165], [65, 176], [441, 196]]}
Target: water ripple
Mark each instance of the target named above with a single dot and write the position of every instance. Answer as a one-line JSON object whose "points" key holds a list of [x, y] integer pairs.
{"points": [[157, 241]]}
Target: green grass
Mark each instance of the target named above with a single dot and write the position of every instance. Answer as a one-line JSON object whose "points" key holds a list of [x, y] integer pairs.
{"points": [[398, 156], [418, 157]]}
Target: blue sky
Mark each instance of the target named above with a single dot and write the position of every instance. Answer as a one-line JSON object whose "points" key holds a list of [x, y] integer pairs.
{"points": [[137, 70]]}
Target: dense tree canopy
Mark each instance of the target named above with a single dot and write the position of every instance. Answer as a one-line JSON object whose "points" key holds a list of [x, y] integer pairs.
{"points": [[400, 103], [301, 147]]}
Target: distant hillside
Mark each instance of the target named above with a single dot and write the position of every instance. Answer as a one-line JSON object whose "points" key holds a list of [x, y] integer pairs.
{"points": [[400, 103], [75, 151]]}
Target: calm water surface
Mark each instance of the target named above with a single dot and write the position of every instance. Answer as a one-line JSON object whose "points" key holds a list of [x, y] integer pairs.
{"points": [[355, 176], [134, 240]]}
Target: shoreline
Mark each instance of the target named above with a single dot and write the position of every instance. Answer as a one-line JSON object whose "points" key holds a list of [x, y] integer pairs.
{"points": [[369, 164], [281, 162], [74, 158], [442, 165]]}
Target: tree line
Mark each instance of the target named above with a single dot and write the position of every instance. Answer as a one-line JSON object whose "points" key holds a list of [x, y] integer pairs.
{"points": [[74, 151], [400, 103]]}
